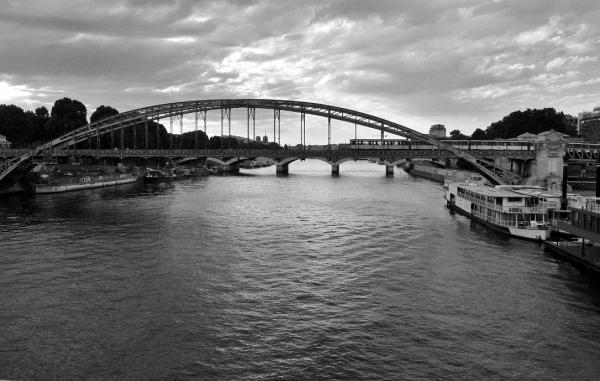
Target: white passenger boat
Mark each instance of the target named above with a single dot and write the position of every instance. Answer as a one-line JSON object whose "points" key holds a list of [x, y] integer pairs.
{"points": [[504, 210]]}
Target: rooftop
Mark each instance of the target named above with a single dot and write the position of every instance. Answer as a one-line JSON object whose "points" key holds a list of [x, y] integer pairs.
{"points": [[489, 191]]}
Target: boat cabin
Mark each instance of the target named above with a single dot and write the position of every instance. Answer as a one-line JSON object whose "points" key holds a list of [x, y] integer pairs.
{"points": [[497, 205]]}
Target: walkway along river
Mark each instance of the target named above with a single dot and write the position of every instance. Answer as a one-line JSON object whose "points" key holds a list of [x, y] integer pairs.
{"points": [[305, 276]]}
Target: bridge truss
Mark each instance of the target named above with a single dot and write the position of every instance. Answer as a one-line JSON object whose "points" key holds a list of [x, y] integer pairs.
{"points": [[175, 111]]}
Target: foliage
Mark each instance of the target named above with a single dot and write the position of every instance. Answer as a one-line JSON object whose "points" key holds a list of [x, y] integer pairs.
{"points": [[478, 134], [531, 120], [67, 114], [457, 135], [22, 128], [102, 112]]}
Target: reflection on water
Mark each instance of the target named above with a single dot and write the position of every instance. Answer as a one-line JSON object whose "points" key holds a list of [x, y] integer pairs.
{"points": [[256, 276]]}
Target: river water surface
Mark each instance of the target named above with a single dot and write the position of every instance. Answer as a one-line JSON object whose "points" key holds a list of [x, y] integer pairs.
{"points": [[306, 276]]}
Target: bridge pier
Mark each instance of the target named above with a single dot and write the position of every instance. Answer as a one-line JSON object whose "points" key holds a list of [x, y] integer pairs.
{"points": [[282, 169], [335, 169], [389, 170], [545, 170]]}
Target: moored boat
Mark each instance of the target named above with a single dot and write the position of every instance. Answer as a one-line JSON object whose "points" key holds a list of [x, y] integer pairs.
{"points": [[154, 176], [504, 210], [83, 183]]}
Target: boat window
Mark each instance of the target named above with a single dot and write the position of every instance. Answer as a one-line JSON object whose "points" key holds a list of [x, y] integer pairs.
{"points": [[498, 200], [514, 199]]}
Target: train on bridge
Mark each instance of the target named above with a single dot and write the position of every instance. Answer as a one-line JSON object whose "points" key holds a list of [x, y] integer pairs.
{"points": [[467, 145]]}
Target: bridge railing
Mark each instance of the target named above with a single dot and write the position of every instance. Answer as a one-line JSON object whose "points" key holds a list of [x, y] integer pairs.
{"points": [[583, 146], [413, 152]]}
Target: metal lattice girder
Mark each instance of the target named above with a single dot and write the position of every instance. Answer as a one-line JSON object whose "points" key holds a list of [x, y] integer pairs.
{"points": [[140, 115]]}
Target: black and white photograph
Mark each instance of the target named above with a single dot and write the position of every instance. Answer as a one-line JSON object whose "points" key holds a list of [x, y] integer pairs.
{"points": [[299, 190]]}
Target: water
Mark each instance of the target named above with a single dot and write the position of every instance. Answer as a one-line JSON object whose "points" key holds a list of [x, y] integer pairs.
{"points": [[301, 277]]}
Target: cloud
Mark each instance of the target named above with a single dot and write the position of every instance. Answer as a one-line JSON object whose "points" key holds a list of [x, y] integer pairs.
{"points": [[569, 62], [10, 93], [550, 32], [463, 63]]}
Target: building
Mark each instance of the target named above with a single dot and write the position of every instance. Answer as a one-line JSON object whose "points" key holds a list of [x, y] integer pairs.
{"points": [[4, 144], [588, 125], [438, 131], [265, 139]]}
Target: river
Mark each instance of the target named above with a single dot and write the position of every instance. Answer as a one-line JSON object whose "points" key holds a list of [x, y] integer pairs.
{"points": [[305, 276]]}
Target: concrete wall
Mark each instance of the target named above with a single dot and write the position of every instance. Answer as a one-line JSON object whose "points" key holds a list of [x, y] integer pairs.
{"points": [[546, 169]]}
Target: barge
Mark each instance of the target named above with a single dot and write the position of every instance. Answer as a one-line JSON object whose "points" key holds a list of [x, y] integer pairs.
{"points": [[83, 183]]}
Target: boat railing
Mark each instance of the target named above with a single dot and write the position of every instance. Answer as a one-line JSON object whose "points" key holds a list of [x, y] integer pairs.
{"points": [[511, 224], [505, 209], [592, 205]]}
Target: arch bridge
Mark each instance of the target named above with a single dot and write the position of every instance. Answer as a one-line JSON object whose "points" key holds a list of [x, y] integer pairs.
{"points": [[174, 112]]}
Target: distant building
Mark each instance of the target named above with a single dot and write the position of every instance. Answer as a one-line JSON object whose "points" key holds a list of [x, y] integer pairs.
{"points": [[4, 143], [438, 131], [265, 139], [588, 125], [258, 138]]}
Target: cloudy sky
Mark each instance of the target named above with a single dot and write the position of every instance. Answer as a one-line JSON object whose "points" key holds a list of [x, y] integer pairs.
{"points": [[463, 63]]}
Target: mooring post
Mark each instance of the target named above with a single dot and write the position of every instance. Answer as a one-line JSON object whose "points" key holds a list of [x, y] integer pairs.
{"points": [[563, 199], [597, 179]]}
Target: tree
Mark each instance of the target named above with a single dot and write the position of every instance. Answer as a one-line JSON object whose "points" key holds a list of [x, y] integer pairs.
{"points": [[188, 140], [40, 118], [13, 125], [102, 112], [42, 113], [214, 142], [479, 134], [67, 115], [533, 121], [457, 135]]}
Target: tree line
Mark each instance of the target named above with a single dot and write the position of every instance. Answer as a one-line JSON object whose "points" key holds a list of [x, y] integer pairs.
{"points": [[517, 123], [27, 129]]}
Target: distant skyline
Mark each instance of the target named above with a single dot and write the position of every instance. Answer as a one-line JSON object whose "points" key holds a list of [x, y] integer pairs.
{"points": [[464, 63]]}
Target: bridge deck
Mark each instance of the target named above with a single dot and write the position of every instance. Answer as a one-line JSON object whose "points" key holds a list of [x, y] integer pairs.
{"points": [[276, 153]]}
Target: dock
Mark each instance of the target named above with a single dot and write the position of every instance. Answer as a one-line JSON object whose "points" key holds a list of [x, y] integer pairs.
{"points": [[583, 255]]}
